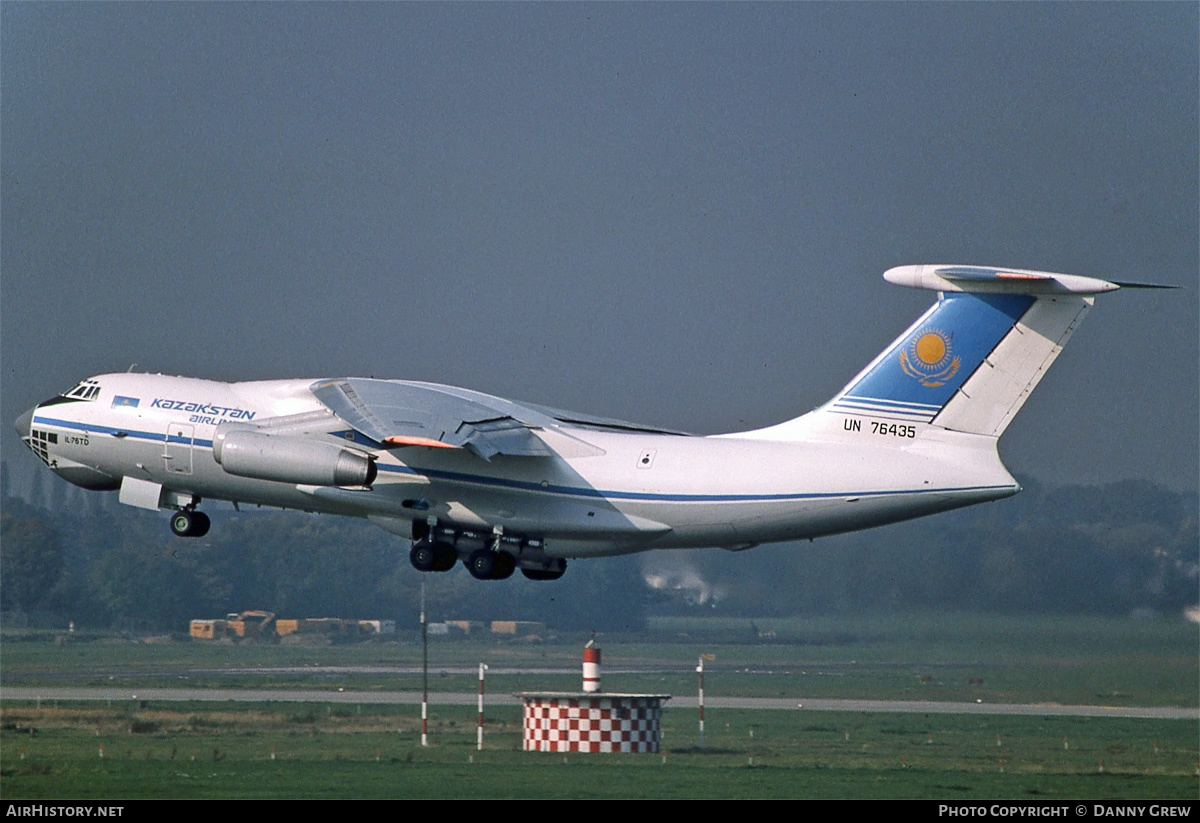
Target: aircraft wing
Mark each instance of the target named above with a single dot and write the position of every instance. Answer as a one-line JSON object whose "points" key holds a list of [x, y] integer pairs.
{"points": [[399, 413], [596, 422]]}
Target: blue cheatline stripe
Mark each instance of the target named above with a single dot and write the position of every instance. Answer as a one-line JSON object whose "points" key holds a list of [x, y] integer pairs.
{"points": [[533, 486], [158, 437], [863, 404], [930, 363], [900, 405], [881, 410], [609, 494]]}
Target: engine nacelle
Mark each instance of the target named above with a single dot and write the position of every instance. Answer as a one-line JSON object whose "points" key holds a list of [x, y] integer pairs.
{"points": [[291, 459]]}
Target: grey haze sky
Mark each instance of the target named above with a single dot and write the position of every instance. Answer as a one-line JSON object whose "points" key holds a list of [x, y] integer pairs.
{"points": [[671, 213]]}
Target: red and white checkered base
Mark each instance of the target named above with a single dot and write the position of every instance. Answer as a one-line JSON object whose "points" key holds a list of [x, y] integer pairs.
{"points": [[592, 723]]}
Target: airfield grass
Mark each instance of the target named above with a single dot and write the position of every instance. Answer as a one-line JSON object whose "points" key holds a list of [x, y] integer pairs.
{"points": [[202, 750], [51, 750], [1066, 660]]}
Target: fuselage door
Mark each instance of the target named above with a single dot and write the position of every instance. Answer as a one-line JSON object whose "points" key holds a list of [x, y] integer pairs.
{"points": [[178, 453]]}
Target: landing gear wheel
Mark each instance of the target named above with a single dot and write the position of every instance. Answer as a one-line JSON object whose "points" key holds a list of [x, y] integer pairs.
{"points": [[485, 564], [200, 524], [444, 557], [422, 556], [543, 574], [481, 563], [503, 566], [188, 523], [432, 557]]}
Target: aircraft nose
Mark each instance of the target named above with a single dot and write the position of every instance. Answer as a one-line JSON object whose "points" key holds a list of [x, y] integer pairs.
{"points": [[25, 423]]}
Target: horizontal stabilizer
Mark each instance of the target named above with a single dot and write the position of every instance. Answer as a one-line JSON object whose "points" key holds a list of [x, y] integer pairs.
{"points": [[991, 280]]}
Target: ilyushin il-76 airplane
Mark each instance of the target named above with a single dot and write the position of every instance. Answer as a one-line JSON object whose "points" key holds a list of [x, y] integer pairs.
{"points": [[504, 485]]}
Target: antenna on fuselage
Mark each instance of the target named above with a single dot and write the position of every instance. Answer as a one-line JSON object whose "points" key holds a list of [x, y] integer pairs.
{"points": [[131, 368]]}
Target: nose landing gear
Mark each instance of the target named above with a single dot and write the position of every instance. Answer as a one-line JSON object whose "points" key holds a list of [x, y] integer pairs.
{"points": [[190, 523]]}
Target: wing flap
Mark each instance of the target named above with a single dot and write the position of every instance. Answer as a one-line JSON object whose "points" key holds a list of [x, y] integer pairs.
{"points": [[402, 414]]}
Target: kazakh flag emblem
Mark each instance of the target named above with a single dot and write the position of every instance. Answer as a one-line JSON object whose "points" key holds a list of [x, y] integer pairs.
{"points": [[928, 358]]}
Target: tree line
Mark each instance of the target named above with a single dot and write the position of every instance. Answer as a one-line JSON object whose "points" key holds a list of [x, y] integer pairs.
{"points": [[1115, 549]]}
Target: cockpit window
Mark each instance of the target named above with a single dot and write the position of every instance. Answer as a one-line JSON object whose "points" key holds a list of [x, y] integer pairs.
{"points": [[87, 390]]}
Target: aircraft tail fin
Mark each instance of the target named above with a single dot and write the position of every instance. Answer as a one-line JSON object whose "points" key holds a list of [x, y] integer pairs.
{"points": [[989, 399], [970, 362]]}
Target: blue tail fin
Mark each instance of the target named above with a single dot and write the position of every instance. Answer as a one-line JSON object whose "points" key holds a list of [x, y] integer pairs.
{"points": [[967, 365], [921, 371]]}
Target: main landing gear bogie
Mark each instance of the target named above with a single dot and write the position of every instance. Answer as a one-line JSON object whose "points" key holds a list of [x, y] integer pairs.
{"points": [[190, 523], [429, 556], [485, 564], [496, 556]]}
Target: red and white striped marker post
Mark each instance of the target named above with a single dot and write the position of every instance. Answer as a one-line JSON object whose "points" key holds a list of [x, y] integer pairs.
{"points": [[591, 667], [700, 694], [424, 669], [479, 728]]}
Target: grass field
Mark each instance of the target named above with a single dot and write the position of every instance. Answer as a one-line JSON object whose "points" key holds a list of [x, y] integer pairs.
{"points": [[324, 751], [935, 657], [58, 750]]}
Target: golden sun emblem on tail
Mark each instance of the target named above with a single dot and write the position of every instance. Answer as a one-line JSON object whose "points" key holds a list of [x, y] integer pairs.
{"points": [[927, 358]]}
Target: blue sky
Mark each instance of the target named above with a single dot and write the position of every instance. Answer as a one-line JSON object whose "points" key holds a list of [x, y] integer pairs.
{"points": [[671, 213]]}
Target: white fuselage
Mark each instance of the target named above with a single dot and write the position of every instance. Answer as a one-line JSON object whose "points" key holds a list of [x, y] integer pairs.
{"points": [[502, 485], [602, 491]]}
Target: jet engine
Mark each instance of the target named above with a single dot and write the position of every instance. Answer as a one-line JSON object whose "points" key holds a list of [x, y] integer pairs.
{"points": [[291, 460]]}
